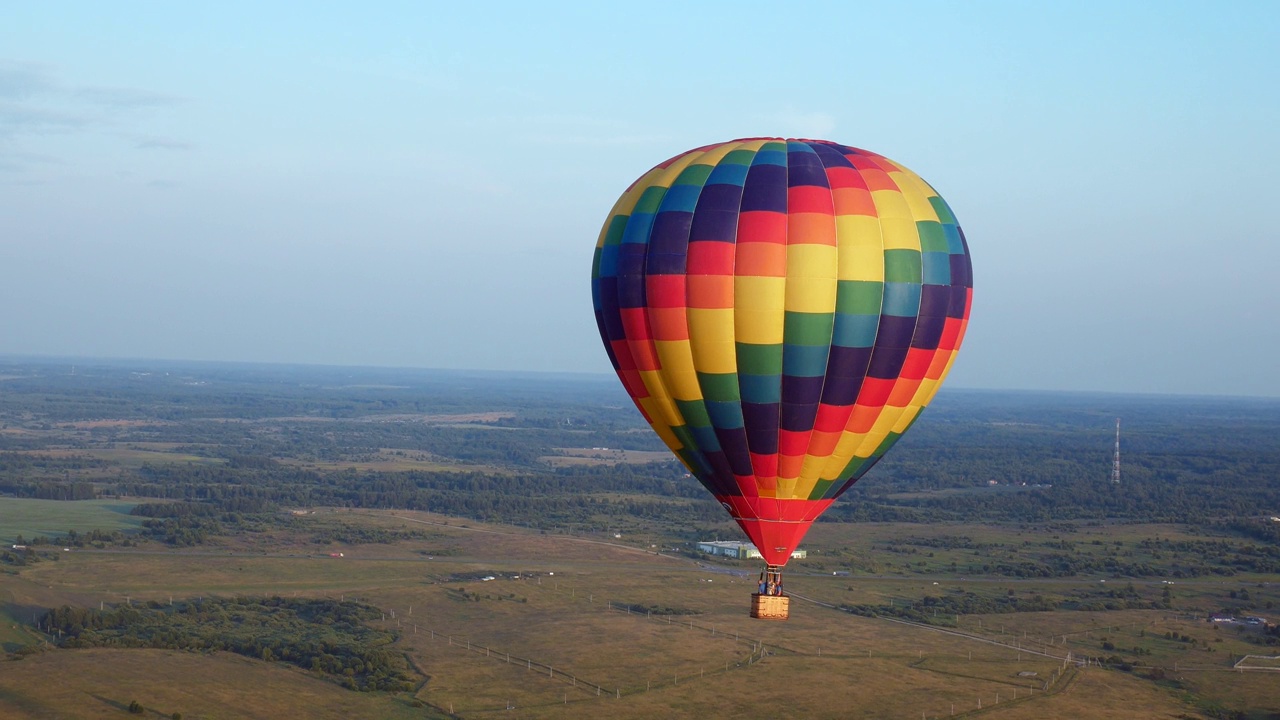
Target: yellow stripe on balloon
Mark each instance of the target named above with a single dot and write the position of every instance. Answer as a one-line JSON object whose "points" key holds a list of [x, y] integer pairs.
{"points": [[905, 418], [860, 248], [891, 204], [677, 369], [663, 408], [841, 456], [712, 340], [900, 233], [811, 276], [928, 388], [917, 193], [713, 156], [807, 482], [879, 431], [758, 311], [652, 408], [786, 489]]}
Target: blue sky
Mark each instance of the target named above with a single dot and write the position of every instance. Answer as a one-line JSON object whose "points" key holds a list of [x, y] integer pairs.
{"points": [[421, 184]]}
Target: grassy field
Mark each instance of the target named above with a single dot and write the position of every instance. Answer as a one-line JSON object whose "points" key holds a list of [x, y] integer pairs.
{"points": [[135, 455], [959, 550], [15, 624], [388, 461], [604, 456], [101, 683], [550, 637], [29, 517]]}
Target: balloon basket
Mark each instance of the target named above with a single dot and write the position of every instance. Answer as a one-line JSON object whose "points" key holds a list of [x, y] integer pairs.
{"points": [[770, 607]]}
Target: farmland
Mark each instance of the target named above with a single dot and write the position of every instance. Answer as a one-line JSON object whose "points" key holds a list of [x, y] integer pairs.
{"points": [[30, 517], [559, 628], [530, 551]]}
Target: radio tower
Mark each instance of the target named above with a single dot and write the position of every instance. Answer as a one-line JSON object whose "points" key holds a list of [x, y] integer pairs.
{"points": [[1115, 464]]}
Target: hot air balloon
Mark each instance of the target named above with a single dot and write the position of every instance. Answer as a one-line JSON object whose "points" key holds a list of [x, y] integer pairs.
{"points": [[780, 311]]}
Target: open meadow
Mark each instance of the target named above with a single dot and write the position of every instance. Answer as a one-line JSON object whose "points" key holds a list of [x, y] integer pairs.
{"points": [[496, 619], [29, 518]]}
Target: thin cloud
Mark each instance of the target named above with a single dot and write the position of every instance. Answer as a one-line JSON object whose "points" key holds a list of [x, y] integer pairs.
{"points": [[124, 97], [20, 80], [17, 161], [34, 101], [155, 143], [16, 117]]}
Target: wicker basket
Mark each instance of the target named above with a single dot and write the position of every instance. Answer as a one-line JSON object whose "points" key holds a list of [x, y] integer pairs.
{"points": [[770, 607]]}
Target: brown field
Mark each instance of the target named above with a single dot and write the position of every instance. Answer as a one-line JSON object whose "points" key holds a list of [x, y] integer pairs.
{"points": [[604, 456], [111, 423], [101, 683], [1260, 661], [464, 418], [392, 460], [1097, 695], [1226, 688], [133, 455], [556, 641], [439, 418]]}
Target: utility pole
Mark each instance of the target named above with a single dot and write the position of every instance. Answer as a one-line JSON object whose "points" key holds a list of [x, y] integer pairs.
{"points": [[1115, 464]]}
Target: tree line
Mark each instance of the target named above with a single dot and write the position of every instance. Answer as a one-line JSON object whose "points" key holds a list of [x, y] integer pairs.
{"points": [[322, 635]]}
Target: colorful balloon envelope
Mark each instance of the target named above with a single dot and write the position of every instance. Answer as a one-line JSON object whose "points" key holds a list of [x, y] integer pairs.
{"points": [[781, 311]]}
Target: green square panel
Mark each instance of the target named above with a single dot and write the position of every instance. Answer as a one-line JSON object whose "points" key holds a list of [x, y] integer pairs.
{"points": [[820, 489], [721, 387], [694, 175], [887, 443], [617, 226], [694, 413], [932, 238], [807, 328], [859, 297], [684, 436], [855, 466], [759, 359], [649, 200], [902, 266], [943, 210]]}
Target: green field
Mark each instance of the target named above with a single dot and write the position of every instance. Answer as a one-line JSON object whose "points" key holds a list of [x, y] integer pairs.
{"points": [[550, 637], [29, 517], [220, 685]]}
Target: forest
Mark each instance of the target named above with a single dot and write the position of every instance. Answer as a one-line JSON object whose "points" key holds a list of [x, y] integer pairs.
{"points": [[215, 448], [326, 636]]}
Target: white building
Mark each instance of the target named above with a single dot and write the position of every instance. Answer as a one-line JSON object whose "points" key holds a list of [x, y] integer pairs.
{"points": [[740, 550]]}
